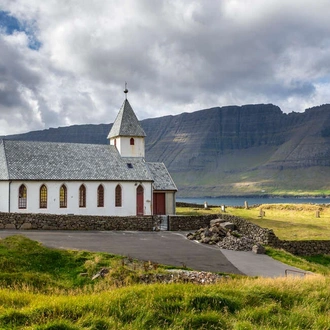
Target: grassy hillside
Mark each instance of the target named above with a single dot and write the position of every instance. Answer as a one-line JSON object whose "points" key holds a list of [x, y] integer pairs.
{"points": [[42, 288]]}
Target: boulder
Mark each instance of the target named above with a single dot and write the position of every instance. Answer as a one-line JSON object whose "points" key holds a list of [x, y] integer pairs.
{"points": [[258, 249], [216, 221], [228, 225]]}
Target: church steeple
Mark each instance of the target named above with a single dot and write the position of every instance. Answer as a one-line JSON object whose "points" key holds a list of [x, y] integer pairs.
{"points": [[127, 133]]}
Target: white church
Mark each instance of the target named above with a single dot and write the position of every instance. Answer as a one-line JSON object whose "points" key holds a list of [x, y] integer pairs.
{"points": [[86, 179]]}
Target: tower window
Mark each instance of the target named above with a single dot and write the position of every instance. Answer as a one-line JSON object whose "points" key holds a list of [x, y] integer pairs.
{"points": [[131, 142], [129, 165]]}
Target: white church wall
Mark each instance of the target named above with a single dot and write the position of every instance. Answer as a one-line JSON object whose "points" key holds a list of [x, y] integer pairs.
{"points": [[128, 207], [170, 203], [4, 193]]}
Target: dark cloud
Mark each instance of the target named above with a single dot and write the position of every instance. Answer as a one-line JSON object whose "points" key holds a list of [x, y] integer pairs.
{"points": [[176, 56]]}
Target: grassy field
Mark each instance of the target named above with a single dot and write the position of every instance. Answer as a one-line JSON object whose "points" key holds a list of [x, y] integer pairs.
{"points": [[42, 288], [288, 221]]}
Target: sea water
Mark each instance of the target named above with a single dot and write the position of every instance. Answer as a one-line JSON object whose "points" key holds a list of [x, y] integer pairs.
{"points": [[239, 201]]}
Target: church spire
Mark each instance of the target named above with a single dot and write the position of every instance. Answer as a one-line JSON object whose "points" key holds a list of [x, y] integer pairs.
{"points": [[126, 132]]}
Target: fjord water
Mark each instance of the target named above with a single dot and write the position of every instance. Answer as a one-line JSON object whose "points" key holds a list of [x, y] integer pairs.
{"points": [[239, 201]]}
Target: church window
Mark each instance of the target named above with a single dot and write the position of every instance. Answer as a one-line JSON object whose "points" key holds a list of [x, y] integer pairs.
{"points": [[100, 196], [131, 142], [118, 199], [129, 165], [43, 197], [22, 197], [63, 196], [82, 196]]}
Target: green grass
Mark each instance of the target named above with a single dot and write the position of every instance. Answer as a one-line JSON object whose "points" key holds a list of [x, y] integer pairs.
{"points": [[290, 222], [65, 300], [285, 303]]}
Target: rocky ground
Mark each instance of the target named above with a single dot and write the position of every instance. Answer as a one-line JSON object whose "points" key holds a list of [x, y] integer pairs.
{"points": [[226, 236]]}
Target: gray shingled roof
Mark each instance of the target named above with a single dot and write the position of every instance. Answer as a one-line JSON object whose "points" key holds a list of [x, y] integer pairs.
{"points": [[162, 179], [25, 160], [126, 123], [3, 162]]}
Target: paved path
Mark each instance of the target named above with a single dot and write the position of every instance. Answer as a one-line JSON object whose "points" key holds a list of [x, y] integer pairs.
{"points": [[169, 248]]}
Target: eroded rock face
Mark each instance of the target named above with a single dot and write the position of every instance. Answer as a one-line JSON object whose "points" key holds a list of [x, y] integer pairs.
{"points": [[224, 234]]}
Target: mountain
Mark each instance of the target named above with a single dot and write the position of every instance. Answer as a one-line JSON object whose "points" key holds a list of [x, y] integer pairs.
{"points": [[233, 150]]}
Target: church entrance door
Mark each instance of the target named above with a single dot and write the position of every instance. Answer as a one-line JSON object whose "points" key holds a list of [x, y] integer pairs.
{"points": [[159, 203], [139, 200]]}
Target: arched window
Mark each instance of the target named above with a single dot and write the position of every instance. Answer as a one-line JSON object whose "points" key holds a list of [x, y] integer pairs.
{"points": [[43, 197], [63, 196], [22, 197], [82, 196], [118, 199], [131, 142], [100, 196]]}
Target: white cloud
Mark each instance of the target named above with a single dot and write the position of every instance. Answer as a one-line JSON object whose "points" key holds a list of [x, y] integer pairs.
{"points": [[176, 56]]}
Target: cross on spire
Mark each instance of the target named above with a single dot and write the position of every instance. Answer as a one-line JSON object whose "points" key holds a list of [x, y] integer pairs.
{"points": [[126, 90]]}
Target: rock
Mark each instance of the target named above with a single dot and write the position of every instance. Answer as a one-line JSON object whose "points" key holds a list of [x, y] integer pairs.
{"points": [[206, 240], [228, 225], [10, 226], [216, 221], [191, 236], [101, 273], [207, 232], [258, 249], [26, 225]]}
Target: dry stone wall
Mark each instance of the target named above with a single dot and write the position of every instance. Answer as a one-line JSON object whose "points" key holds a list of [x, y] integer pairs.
{"points": [[189, 222], [74, 222], [261, 235]]}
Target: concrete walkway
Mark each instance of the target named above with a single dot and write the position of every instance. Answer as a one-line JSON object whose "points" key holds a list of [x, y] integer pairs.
{"points": [[169, 248]]}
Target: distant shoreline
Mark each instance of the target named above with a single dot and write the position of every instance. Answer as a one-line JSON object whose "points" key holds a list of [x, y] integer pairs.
{"points": [[257, 196]]}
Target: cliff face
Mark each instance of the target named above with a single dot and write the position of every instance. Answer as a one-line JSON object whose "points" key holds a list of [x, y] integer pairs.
{"points": [[230, 150]]}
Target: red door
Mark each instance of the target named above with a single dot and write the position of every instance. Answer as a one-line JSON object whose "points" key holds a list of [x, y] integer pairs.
{"points": [[159, 203], [139, 200]]}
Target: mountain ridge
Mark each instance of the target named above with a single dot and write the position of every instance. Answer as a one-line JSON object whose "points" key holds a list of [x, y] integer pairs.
{"points": [[233, 150]]}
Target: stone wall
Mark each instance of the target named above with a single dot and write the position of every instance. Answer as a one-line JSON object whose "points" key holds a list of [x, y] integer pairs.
{"points": [[189, 222], [267, 237], [74, 222], [304, 248], [261, 235], [148, 223]]}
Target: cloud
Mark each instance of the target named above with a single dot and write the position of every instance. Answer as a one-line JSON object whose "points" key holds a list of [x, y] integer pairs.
{"points": [[177, 55]]}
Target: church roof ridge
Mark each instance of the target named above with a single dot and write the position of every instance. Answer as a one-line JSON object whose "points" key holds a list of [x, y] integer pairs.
{"points": [[126, 123]]}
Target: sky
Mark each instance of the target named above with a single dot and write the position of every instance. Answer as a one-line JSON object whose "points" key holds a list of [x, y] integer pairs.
{"points": [[65, 62]]}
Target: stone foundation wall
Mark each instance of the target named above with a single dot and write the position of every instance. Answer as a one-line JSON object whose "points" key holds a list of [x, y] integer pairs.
{"points": [[74, 222]]}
